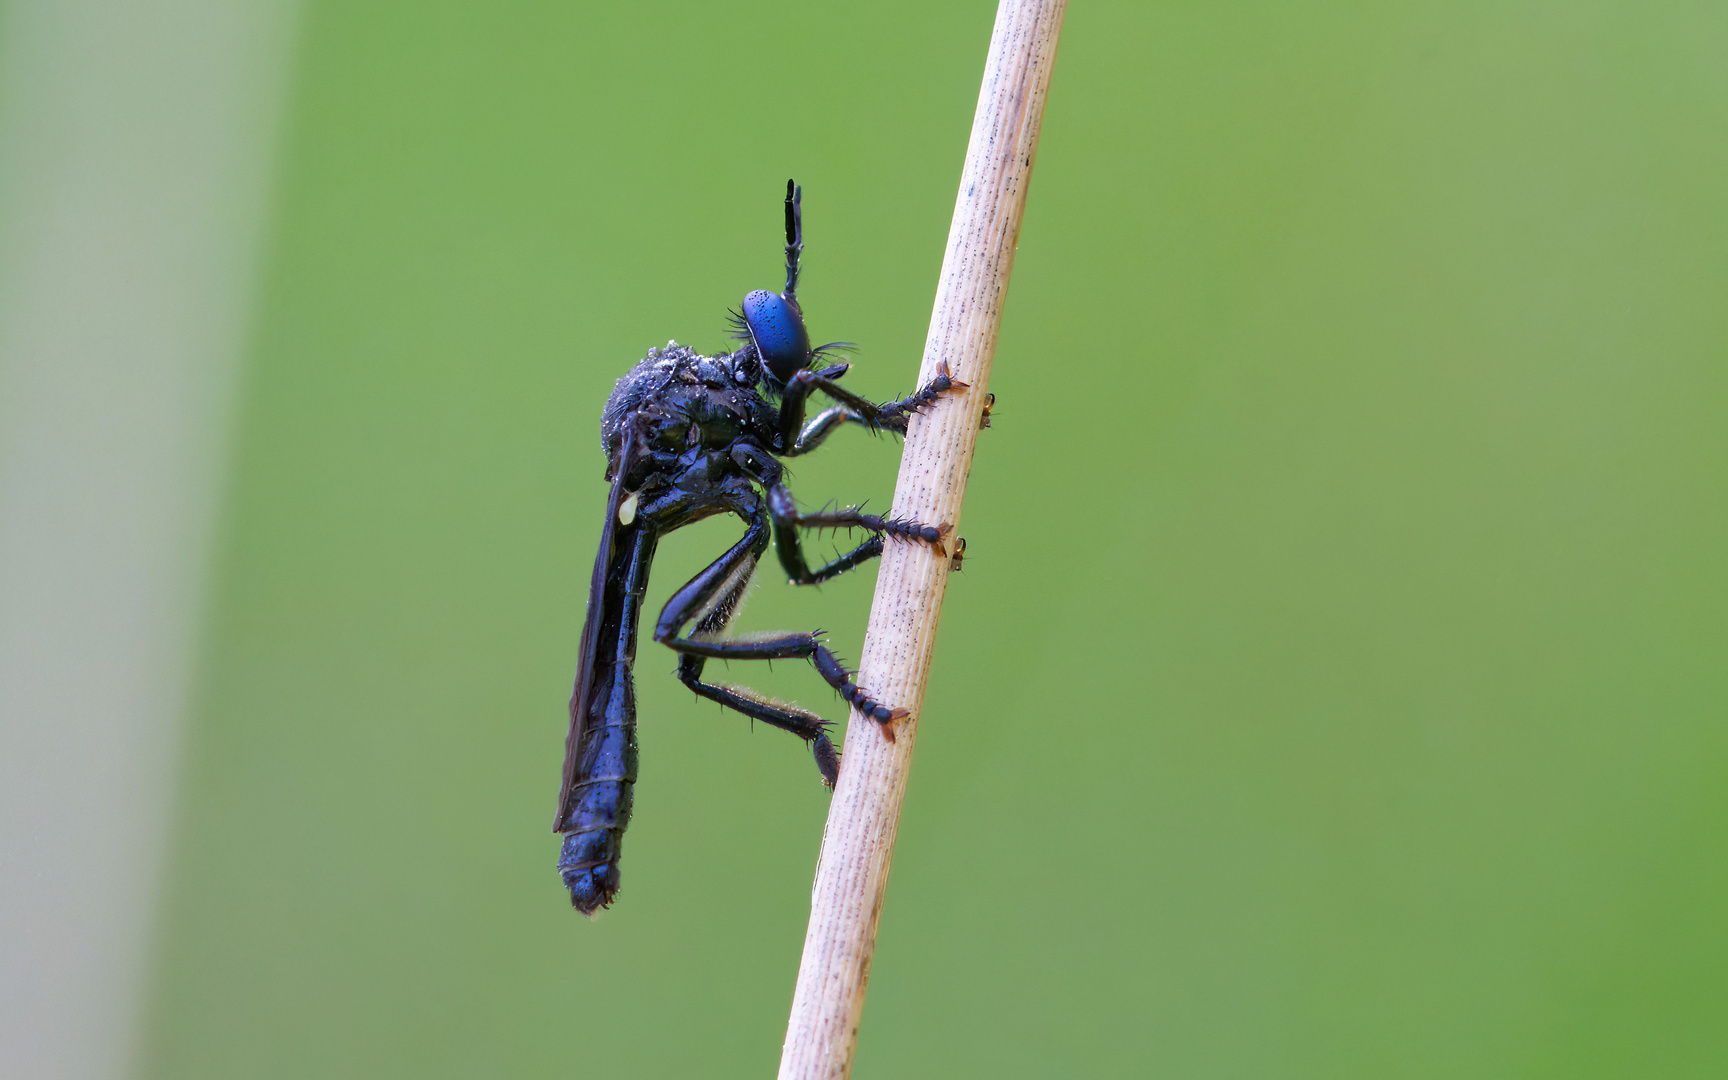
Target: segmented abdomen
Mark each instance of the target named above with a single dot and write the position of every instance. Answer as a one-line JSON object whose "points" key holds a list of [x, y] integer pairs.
{"points": [[601, 796]]}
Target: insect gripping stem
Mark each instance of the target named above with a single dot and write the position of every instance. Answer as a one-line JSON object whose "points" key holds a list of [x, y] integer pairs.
{"points": [[852, 875]]}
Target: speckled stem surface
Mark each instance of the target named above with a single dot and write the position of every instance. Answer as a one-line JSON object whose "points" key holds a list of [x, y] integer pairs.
{"points": [[852, 874]]}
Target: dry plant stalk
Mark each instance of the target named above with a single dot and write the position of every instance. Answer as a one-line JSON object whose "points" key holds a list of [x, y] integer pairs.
{"points": [[852, 874]]}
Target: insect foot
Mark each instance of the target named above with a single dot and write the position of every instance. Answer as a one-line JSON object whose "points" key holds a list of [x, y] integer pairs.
{"points": [[901, 529], [826, 759], [894, 413], [836, 675], [944, 381]]}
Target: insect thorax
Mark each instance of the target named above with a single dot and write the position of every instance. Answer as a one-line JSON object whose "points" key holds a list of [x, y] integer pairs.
{"points": [[678, 399]]}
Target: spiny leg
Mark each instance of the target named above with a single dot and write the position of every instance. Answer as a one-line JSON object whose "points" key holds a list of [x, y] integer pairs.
{"points": [[806, 725], [787, 647], [828, 420], [888, 416], [765, 470], [802, 574], [789, 544], [894, 414], [700, 600]]}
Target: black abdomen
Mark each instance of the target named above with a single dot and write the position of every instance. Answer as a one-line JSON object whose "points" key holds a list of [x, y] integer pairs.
{"points": [[601, 798]]}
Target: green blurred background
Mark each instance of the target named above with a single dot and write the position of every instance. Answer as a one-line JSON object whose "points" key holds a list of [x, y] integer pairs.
{"points": [[1336, 685]]}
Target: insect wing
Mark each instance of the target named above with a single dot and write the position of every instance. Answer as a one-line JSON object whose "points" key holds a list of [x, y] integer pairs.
{"points": [[590, 630]]}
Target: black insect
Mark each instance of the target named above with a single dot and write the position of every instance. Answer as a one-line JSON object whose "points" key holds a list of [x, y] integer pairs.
{"points": [[689, 436]]}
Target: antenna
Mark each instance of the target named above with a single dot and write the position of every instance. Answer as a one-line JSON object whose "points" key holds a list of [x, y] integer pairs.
{"points": [[794, 236]]}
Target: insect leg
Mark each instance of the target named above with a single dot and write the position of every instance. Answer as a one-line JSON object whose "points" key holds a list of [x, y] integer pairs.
{"points": [[888, 416], [761, 467], [712, 598], [701, 599], [821, 427], [830, 419], [789, 545], [806, 725], [786, 647]]}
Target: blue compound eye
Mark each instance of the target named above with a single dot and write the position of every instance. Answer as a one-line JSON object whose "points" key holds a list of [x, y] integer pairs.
{"points": [[777, 327]]}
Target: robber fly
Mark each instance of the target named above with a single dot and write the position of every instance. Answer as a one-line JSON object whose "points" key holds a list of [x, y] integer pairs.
{"points": [[689, 436]]}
